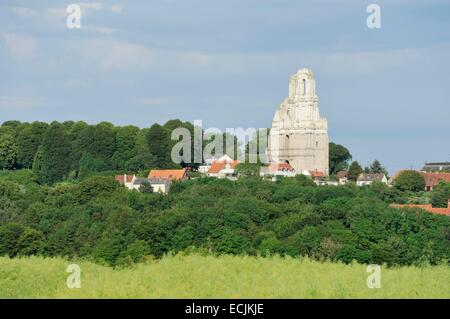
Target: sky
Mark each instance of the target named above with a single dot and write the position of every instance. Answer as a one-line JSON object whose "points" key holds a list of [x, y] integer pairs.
{"points": [[385, 92]]}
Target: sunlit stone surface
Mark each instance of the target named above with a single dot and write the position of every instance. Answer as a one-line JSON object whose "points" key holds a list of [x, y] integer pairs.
{"points": [[299, 134]]}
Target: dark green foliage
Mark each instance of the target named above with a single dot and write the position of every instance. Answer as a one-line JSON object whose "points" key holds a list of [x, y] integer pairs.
{"points": [[28, 141], [99, 219], [354, 170], [410, 181], [158, 141], [441, 195], [17, 240], [8, 149], [54, 155], [248, 169], [89, 164], [71, 205], [338, 157], [377, 168]]}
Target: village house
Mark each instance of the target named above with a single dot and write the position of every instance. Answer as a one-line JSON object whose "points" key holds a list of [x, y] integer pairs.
{"points": [[437, 167], [127, 181], [342, 177], [135, 183], [275, 170], [159, 180], [160, 185], [369, 178], [169, 174], [224, 167], [204, 168], [433, 179]]}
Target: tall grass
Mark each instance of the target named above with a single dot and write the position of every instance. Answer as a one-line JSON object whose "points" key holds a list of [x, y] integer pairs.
{"points": [[196, 276]]}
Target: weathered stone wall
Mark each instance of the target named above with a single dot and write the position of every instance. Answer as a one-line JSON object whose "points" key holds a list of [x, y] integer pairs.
{"points": [[299, 135]]}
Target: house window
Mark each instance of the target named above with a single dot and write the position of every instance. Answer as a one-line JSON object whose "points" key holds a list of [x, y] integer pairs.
{"points": [[304, 86], [317, 144]]}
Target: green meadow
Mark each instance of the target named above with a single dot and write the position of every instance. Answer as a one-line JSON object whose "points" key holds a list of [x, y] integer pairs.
{"points": [[198, 276]]}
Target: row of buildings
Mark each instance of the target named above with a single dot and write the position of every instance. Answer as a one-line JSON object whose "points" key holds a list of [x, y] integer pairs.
{"points": [[225, 167]]}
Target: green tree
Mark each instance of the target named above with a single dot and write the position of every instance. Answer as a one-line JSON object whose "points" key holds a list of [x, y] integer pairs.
{"points": [[8, 150], [354, 171], [89, 164], [28, 141], [248, 169], [125, 146], [377, 168], [146, 188], [53, 163], [158, 141], [104, 144], [440, 195], [338, 157], [410, 181]]}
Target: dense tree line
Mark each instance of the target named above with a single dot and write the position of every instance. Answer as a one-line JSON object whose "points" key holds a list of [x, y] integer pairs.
{"points": [[101, 220], [76, 150], [69, 150]]}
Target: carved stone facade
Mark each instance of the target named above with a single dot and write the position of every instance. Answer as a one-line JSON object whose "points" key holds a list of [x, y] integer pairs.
{"points": [[299, 135]]}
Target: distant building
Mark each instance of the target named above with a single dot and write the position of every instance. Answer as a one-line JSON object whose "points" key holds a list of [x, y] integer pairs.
{"points": [[368, 179], [437, 167], [160, 185], [204, 168], [322, 182], [316, 174], [342, 177], [126, 180], [299, 134], [224, 167], [169, 174], [159, 180], [277, 169], [131, 181], [428, 207], [433, 179]]}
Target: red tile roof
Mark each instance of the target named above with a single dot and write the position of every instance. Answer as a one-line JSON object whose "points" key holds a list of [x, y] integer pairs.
{"points": [[433, 179], [317, 173], [121, 178], [171, 174], [274, 167], [217, 166], [341, 174], [429, 208]]}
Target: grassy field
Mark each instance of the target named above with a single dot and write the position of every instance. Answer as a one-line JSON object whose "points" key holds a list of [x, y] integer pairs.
{"points": [[196, 276]]}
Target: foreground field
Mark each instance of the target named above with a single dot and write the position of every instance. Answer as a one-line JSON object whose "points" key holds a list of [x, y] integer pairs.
{"points": [[196, 276]]}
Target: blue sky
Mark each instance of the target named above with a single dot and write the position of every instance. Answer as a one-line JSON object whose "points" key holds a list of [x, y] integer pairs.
{"points": [[385, 91]]}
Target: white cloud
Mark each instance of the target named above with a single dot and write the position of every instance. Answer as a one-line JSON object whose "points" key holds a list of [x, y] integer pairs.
{"points": [[115, 8], [100, 30], [154, 101], [20, 46], [91, 5], [24, 12], [113, 55], [20, 102], [57, 13], [87, 8]]}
